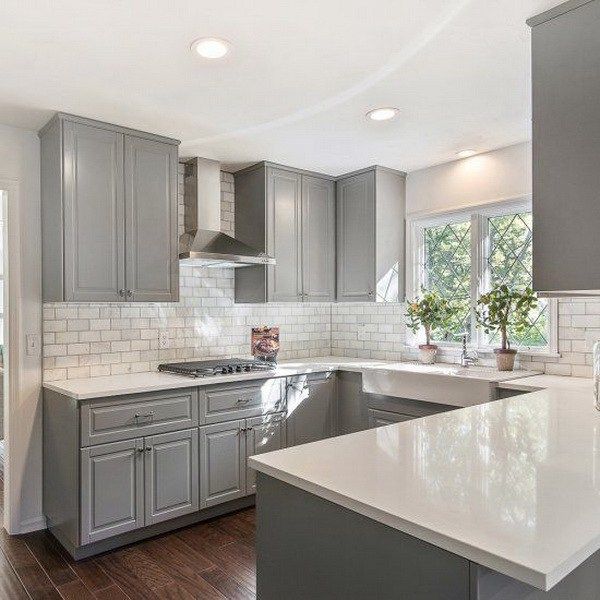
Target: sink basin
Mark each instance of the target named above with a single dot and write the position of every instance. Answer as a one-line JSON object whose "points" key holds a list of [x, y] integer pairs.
{"points": [[452, 385]]}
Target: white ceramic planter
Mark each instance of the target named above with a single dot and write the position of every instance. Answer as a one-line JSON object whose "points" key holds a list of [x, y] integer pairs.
{"points": [[427, 354]]}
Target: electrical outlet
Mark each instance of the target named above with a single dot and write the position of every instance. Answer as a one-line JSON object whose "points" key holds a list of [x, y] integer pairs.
{"points": [[163, 340]]}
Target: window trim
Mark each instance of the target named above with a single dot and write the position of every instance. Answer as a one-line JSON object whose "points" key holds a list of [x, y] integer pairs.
{"points": [[478, 214]]}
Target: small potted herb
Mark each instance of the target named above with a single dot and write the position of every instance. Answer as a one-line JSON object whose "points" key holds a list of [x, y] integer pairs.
{"points": [[503, 310], [431, 312]]}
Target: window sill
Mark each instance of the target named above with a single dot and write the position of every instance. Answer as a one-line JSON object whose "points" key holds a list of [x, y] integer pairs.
{"points": [[455, 350]]}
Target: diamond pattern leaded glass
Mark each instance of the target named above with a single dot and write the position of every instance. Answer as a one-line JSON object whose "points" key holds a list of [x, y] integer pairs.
{"points": [[510, 262], [447, 270]]}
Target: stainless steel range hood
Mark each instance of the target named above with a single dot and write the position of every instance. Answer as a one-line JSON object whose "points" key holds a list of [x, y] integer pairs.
{"points": [[203, 243]]}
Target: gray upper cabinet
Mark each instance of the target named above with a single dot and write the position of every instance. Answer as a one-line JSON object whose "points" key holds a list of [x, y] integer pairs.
{"points": [[152, 264], [290, 214], [318, 239], [171, 475], [109, 213], [370, 236], [566, 148], [94, 205], [356, 237], [284, 214]]}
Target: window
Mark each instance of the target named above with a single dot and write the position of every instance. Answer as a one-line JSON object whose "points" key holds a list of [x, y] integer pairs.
{"points": [[460, 255]]}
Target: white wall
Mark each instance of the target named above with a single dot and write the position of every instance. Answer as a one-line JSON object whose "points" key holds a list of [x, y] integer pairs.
{"points": [[20, 163], [498, 175]]}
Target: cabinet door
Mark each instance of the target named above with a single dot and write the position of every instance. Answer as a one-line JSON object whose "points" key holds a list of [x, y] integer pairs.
{"points": [[171, 475], [283, 235], [222, 463], [263, 434], [318, 240], [152, 258], [566, 151], [93, 213], [112, 489], [379, 418], [356, 238], [311, 408]]}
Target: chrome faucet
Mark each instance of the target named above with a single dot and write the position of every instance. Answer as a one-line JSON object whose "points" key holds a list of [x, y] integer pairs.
{"points": [[467, 359]]}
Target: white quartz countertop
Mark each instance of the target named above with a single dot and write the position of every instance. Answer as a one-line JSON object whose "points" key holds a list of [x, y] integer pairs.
{"points": [[133, 383], [513, 485], [544, 382]]}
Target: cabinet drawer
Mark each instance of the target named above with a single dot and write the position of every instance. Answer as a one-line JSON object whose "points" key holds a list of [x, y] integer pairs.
{"points": [[124, 417], [239, 401]]}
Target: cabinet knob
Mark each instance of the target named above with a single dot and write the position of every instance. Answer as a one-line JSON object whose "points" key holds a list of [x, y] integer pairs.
{"points": [[121, 293], [149, 449], [129, 293], [370, 293]]}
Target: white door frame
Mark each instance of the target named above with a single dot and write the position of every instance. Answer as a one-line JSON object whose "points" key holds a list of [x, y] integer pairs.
{"points": [[12, 349]]}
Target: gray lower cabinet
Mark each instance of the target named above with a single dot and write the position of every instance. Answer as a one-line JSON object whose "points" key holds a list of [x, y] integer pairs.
{"points": [[264, 434], [222, 464], [171, 475], [370, 207], [379, 418], [352, 412], [109, 213], [290, 214], [112, 489], [311, 408]]}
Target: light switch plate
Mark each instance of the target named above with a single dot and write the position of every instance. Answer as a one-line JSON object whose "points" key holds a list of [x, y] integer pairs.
{"points": [[32, 344], [163, 340]]}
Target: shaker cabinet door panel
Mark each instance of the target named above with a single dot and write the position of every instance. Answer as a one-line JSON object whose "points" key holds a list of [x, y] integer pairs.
{"points": [[356, 238], [264, 434], [93, 214], [283, 235], [171, 474], [112, 489], [222, 463], [152, 259], [318, 239]]}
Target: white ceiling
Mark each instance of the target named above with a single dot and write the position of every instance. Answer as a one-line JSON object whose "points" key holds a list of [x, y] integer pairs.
{"points": [[296, 87]]}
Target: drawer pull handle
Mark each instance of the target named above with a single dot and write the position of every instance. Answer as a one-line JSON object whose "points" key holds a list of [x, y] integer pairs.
{"points": [[243, 400], [148, 416]]}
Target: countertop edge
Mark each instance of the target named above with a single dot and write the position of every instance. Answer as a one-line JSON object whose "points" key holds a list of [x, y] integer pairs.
{"points": [[537, 579]]}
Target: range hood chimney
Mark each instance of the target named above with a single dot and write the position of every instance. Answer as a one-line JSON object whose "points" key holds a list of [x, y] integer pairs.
{"points": [[203, 243]]}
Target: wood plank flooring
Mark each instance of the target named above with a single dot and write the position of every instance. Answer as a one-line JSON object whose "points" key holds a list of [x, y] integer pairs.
{"points": [[214, 560]]}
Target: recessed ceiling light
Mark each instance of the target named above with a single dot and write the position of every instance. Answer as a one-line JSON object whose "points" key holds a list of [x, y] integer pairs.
{"points": [[466, 153], [382, 114], [211, 47]]}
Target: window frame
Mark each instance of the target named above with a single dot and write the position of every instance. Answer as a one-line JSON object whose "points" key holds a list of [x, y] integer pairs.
{"points": [[480, 241]]}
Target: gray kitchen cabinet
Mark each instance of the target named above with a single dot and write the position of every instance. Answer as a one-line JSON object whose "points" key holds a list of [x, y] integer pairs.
{"points": [[380, 418], [401, 409], [222, 462], [351, 405], [151, 238], [290, 215], [109, 213], [263, 434], [171, 475], [311, 408], [318, 239], [370, 208], [112, 489], [284, 215], [566, 148]]}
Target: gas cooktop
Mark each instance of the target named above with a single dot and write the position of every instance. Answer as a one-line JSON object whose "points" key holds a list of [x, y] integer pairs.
{"points": [[222, 366]]}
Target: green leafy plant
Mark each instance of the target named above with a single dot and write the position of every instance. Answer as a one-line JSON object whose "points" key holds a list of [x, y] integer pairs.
{"points": [[430, 311], [505, 310]]}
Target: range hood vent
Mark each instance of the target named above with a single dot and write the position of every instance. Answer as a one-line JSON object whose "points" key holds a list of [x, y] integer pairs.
{"points": [[203, 243]]}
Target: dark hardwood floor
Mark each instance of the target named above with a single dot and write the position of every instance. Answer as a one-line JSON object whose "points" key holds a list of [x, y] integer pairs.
{"points": [[212, 560]]}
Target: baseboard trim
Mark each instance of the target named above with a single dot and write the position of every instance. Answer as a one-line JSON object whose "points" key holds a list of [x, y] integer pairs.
{"points": [[33, 524]]}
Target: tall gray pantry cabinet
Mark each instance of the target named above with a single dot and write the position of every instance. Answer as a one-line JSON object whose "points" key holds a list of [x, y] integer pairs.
{"points": [[109, 213]]}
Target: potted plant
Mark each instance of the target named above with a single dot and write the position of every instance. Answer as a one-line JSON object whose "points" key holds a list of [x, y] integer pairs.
{"points": [[504, 310], [431, 312]]}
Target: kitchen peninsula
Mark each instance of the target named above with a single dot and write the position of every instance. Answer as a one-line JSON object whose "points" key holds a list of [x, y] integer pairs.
{"points": [[498, 500]]}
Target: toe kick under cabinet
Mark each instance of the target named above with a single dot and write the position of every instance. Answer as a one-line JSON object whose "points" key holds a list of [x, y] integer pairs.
{"points": [[122, 468]]}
